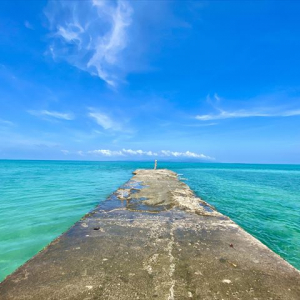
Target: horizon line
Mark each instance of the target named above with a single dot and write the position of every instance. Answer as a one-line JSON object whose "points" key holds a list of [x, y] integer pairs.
{"points": [[147, 161]]}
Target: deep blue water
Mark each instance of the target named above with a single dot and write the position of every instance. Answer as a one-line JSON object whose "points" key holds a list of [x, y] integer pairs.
{"points": [[39, 200]]}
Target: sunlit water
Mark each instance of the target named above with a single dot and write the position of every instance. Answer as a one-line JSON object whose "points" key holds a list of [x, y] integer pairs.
{"points": [[39, 200]]}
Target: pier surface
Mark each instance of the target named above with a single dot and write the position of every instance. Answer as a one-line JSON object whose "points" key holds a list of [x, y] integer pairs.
{"points": [[154, 239]]}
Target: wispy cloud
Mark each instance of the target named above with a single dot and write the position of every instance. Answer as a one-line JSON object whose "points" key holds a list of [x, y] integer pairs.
{"points": [[90, 35], [104, 120], [6, 122], [246, 114], [52, 114], [201, 125], [141, 153], [242, 113], [28, 25]]}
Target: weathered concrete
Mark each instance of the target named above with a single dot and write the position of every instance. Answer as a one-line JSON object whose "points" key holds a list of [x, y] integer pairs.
{"points": [[154, 239]]}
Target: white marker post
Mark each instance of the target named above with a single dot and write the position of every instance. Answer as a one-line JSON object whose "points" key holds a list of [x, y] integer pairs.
{"points": [[155, 164]]}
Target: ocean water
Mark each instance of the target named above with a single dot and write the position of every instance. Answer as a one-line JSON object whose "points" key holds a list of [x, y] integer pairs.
{"points": [[39, 200]]}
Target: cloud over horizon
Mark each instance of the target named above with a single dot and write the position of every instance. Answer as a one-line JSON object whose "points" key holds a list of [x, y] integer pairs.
{"points": [[105, 121], [90, 35], [246, 114], [141, 153]]}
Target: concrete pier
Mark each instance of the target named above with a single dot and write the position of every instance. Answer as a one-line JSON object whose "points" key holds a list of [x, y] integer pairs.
{"points": [[154, 239]]}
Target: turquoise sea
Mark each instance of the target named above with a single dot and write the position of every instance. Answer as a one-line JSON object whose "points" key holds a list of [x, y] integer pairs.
{"points": [[39, 200]]}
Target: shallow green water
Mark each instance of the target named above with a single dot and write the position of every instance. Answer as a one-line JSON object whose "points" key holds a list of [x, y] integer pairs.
{"points": [[39, 200]]}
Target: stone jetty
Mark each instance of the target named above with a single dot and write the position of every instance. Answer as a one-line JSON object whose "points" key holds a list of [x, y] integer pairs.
{"points": [[154, 239]]}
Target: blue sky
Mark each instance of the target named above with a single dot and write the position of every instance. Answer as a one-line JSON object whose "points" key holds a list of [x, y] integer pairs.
{"points": [[172, 80]]}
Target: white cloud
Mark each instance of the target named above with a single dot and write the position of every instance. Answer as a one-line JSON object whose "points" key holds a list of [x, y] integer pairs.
{"points": [[187, 154], [245, 114], [65, 152], [242, 113], [104, 120], [80, 152], [291, 113], [90, 35], [52, 114], [162, 153], [106, 152]]}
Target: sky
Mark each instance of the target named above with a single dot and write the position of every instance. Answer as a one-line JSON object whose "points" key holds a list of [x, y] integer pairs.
{"points": [[209, 81]]}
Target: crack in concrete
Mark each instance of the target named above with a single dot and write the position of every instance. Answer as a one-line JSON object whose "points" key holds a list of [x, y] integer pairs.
{"points": [[172, 265]]}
